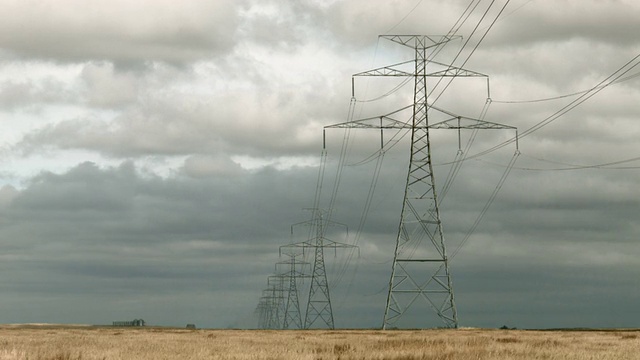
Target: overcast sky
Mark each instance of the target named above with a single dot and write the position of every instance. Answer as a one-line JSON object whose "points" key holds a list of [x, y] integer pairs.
{"points": [[156, 153]]}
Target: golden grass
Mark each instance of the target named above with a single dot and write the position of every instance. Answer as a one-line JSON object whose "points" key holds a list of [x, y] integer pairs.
{"points": [[89, 343]]}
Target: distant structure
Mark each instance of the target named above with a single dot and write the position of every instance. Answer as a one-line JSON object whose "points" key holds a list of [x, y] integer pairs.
{"points": [[134, 322], [319, 302], [191, 326], [292, 315]]}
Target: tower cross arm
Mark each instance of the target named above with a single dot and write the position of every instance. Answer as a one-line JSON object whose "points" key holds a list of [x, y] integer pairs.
{"points": [[455, 72], [390, 70], [376, 122], [397, 70], [421, 41], [462, 122], [452, 71], [380, 122]]}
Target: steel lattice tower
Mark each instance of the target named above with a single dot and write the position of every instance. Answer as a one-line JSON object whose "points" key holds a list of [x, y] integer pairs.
{"points": [[424, 276], [276, 283], [292, 314], [419, 274], [262, 312], [319, 301]]}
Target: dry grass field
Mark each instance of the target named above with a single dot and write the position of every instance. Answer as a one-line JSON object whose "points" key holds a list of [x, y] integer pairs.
{"points": [[88, 343]]}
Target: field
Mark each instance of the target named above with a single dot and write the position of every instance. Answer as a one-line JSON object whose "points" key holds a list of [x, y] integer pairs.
{"points": [[84, 342]]}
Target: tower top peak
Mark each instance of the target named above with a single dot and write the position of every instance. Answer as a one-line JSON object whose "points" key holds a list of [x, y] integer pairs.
{"points": [[421, 41]]}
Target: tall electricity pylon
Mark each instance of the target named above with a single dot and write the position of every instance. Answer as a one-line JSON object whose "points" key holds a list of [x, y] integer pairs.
{"points": [[319, 301], [419, 274]]}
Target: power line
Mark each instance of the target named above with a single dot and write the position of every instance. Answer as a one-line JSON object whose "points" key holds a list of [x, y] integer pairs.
{"points": [[569, 167], [565, 109], [562, 96], [477, 44], [405, 17], [486, 207]]}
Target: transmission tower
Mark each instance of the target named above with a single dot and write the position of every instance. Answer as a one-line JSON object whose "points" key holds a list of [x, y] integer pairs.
{"points": [[262, 313], [292, 314], [276, 284], [267, 310], [270, 309], [319, 301], [420, 275]]}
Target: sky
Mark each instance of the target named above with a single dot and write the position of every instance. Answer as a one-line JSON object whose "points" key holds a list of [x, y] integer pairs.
{"points": [[155, 155]]}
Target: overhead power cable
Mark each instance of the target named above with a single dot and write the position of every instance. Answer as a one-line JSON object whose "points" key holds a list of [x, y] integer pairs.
{"points": [[569, 167], [342, 159], [388, 93], [461, 156], [609, 80], [477, 44], [487, 205], [454, 29], [562, 96], [405, 17], [363, 217]]}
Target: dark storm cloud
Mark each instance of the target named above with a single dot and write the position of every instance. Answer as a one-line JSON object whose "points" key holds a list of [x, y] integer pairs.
{"points": [[134, 234], [119, 205]]}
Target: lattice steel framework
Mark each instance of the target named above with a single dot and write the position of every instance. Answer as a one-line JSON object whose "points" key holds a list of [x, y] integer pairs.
{"points": [[420, 274], [425, 276], [292, 314], [319, 302]]}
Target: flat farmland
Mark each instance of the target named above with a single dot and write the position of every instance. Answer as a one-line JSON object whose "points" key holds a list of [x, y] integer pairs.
{"points": [[88, 342]]}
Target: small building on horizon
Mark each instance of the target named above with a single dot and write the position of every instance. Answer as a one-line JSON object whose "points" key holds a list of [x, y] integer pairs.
{"points": [[134, 322]]}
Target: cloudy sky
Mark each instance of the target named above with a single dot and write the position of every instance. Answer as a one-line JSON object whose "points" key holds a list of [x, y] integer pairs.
{"points": [[155, 155]]}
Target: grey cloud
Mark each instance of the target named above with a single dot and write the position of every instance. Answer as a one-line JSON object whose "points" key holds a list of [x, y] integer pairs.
{"points": [[73, 192], [609, 22], [123, 197], [279, 25], [120, 31], [32, 96], [199, 166], [105, 88], [175, 124], [557, 297], [116, 233], [356, 21]]}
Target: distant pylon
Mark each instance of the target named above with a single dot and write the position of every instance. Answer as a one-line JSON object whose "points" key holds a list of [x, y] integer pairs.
{"points": [[276, 284], [319, 301], [292, 314], [420, 275], [262, 313], [268, 310], [319, 305]]}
